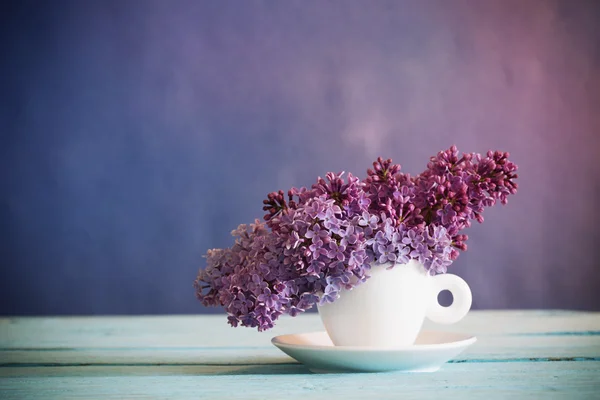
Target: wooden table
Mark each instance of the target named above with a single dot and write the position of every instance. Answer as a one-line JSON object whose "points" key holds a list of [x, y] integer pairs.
{"points": [[519, 354]]}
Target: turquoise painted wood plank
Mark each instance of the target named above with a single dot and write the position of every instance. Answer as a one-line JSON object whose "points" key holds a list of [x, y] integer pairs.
{"points": [[548, 380], [487, 349], [203, 331]]}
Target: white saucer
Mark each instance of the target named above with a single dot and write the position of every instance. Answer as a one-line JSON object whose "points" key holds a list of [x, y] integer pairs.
{"points": [[430, 351]]}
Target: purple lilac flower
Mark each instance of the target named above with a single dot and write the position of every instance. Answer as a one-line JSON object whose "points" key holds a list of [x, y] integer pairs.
{"points": [[336, 251], [387, 253], [331, 294], [241, 303], [320, 241], [350, 235], [455, 189], [307, 300], [315, 267], [295, 240], [368, 220], [402, 254], [421, 253], [447, 214], [316, 247], [293, 311], [413, 238], [357, 258]]}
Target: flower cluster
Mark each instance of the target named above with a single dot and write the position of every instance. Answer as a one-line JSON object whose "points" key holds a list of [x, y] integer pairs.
{"points": [[315, 242]]}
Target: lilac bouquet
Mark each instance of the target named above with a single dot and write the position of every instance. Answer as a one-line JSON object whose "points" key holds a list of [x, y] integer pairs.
{"points": [[316, 242]]}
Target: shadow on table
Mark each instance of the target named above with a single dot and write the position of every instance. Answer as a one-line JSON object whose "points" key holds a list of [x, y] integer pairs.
{"points": [[110, 370], [263, 369]]}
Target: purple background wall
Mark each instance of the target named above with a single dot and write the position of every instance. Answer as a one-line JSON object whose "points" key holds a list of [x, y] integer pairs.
{"points": [[137, 134]]}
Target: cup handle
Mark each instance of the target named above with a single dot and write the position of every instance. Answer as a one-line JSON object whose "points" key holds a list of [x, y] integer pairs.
{"points": [[459, 307]]}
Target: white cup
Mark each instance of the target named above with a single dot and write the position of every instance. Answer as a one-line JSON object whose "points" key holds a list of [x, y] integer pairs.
{"points": [[388, 310]]}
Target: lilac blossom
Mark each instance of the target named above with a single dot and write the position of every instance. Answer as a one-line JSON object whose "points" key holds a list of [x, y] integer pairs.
{"points": [[386, 253], [316, 242], [331, 294]]}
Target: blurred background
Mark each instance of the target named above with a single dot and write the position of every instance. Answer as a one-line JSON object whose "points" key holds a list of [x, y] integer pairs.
{"points": [[137, 134]]}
